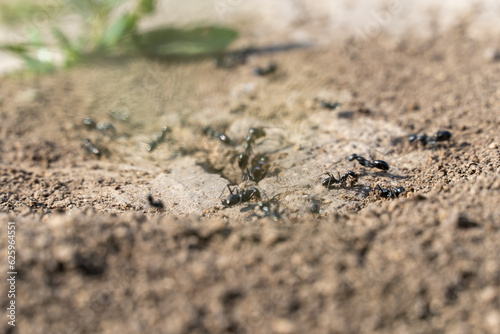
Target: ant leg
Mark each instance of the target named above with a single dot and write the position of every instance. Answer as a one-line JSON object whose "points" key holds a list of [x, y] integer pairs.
{"points": [[334, 163], [267, 198], [341, 179], [249, 176], [231, 190], [354, 180], [252, 194], [370, 153], [224, 189], [330, 180], [248, 149]]}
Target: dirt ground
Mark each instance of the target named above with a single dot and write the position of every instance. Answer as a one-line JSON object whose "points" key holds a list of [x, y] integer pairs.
{"points": [[94, 256]]}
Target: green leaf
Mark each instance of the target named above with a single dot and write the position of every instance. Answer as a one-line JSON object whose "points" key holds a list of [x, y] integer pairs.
{"points": [[62, 38], [17, 49], [119, 29], [73, 51], [21, 48], [177, 42]]}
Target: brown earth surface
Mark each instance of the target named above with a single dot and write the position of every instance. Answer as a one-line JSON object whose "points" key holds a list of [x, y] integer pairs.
{"points": [[94, 256]]}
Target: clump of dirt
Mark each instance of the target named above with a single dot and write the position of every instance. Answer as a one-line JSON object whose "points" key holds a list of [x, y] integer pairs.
{"points": [[95, 256]]}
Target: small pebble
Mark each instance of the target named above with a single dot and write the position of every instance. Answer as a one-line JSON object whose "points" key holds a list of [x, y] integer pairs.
{"points": [[492, 54], [283, 326], [493, 320], [25, 211], [488, 294]]}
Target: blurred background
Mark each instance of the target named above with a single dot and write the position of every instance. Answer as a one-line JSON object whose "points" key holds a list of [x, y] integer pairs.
{"points": [[258, 22]]}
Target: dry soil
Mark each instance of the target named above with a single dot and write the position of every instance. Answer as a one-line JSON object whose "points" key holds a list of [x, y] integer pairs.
{"points": [[94, 256]]}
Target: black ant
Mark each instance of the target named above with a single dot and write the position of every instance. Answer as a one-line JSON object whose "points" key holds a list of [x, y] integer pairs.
{"points": [[105, 128], [330, 105], [222, 137], [243, 159], [91, 148], [261, 71], [261, 161], [380, 164], [430, 140], [258, 171], [253, 134], [387, 193], [238, 197], [342, 179], [153, 203], [89, 123], [159, 139], [442, 136]]}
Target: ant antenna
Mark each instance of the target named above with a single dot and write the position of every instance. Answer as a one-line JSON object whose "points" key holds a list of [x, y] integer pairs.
{"points": [[325, 173], [222, 192], [379, 151], [263, 193], [334, 163], [228, 187]]}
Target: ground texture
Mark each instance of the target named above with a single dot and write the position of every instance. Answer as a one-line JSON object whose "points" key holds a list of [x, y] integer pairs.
{"points": [[94, 256]]}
